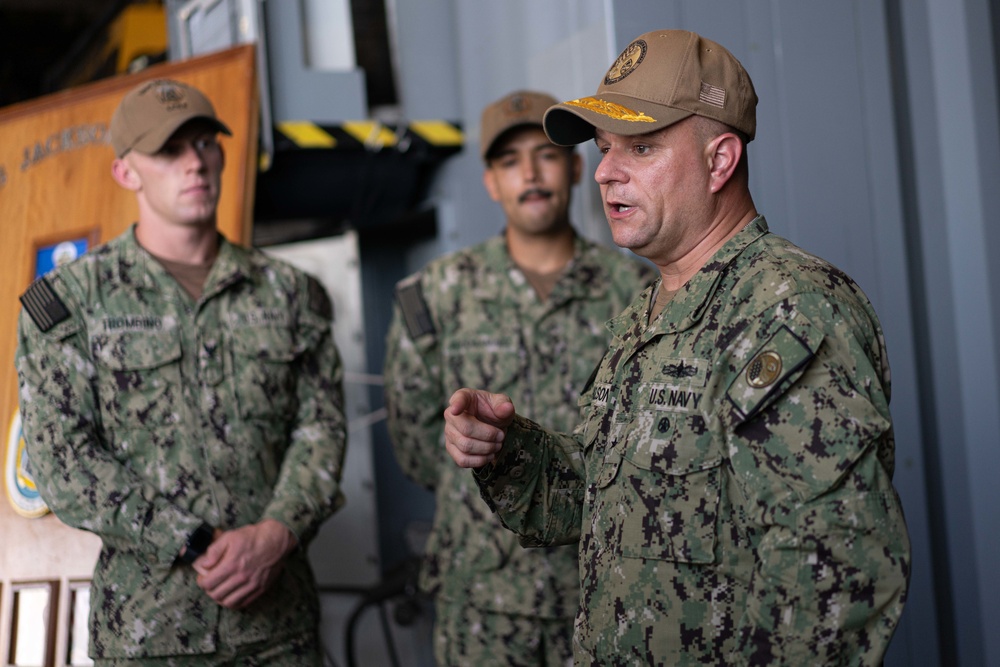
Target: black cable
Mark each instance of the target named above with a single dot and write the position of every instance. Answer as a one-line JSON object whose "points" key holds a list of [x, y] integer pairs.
{"points": [[390, 644], [400, 582]]}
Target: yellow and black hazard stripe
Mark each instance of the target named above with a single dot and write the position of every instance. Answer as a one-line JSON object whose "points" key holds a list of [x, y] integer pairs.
{"points": [[367, 135]]}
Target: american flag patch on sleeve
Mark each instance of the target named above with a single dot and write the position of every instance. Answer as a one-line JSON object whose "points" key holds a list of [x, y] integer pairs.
{"points": [[44, 305]]}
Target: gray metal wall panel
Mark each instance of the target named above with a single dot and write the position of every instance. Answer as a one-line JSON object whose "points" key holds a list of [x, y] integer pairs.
{"points": [[949, 61], [299, 92], [423, 37], [893, 296]]}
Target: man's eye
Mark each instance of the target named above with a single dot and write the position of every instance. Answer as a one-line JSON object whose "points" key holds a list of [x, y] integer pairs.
{"points": [[206, 143], [641, 149]]}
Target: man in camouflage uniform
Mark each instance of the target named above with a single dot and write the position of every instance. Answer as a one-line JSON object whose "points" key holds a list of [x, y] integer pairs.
{"points": [[522, 313], [730, 482], [181, 398]]}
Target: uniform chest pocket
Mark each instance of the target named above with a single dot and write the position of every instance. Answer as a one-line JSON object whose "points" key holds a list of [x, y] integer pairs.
{"points": [[670, 494], [139, 378], [493, 363], [264, 372]]}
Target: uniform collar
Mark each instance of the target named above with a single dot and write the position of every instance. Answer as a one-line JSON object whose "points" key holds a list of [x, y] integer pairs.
{"points": [[688, 305], [139, 268], [584, 277], [231, 266]]}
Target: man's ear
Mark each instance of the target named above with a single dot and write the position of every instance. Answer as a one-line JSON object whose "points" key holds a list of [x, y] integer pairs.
{"points": [[124, 175], [577, 167], [490, 183], [724, 153]]}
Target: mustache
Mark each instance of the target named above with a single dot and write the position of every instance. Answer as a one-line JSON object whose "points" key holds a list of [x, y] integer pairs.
{"points": [[534, 192]]}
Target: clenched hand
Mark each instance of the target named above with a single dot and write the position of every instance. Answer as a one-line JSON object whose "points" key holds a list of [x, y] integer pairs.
{"points": [[241, 564]]}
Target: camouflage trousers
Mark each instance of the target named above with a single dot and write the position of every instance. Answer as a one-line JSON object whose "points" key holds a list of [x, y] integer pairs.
{"points": [[464, 636], [301, 651]]}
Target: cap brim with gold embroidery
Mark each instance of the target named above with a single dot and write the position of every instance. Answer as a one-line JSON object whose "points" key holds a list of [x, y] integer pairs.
{"points": [[660, 78]]}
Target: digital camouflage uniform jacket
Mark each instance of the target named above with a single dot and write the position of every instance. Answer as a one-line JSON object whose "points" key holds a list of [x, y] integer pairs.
{"points": [[484, 326], [146, 413], [732, 474]]}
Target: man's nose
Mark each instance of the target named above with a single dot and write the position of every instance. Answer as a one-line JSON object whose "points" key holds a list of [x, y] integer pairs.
{"points": [[531, 170], [608, 169], [193, 155]]}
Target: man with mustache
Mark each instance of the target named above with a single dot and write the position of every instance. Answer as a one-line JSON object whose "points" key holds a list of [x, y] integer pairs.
{"points": [[729, 483], [522, 313], [181, 398]]}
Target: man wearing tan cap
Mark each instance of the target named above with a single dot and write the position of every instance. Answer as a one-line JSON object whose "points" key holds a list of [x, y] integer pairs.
{"points": [[181, 398], [730, 483], [523, 314]]}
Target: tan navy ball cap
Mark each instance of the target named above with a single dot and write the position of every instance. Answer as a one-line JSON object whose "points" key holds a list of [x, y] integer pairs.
{"points": [[522, 107], [660, 78], [152, 111]]}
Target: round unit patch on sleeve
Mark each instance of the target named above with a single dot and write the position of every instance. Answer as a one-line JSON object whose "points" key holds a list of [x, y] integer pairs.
{"points": [[777, 364], [764, 369]]}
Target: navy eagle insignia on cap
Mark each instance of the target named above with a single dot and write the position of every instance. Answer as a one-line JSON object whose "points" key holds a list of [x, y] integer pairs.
{"points": [[626, 62]]}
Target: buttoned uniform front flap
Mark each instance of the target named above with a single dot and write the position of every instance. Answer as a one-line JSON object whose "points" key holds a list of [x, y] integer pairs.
{"points": [[595, 406], [264, 370], [772, 367], [592, 406], [139, 376]]}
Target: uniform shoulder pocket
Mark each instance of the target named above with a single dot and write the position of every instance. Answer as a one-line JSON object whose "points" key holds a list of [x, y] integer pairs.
{"points": [[773, 367]]}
